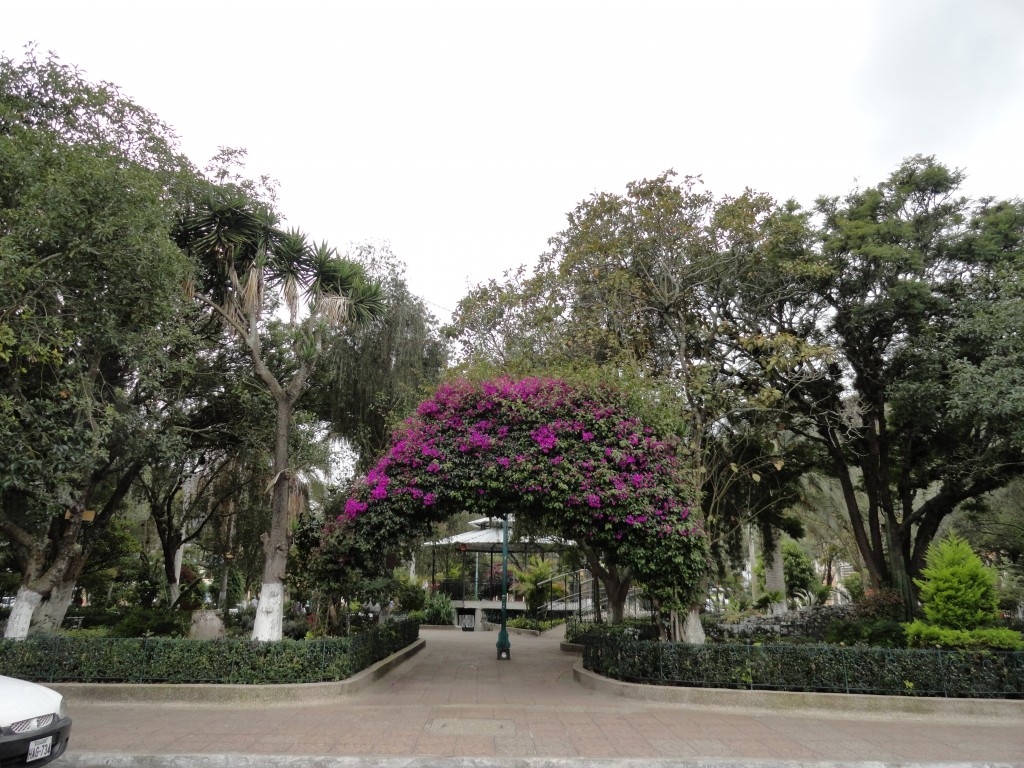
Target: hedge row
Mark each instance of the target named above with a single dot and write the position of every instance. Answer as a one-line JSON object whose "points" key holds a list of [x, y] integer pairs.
{"points": [[822, 668], [57, 658]]}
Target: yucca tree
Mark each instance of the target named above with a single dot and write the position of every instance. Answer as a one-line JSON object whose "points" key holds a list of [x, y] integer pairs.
{"points": [[247, 264]]}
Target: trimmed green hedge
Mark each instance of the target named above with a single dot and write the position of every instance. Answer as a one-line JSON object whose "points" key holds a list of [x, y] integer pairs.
{"points": [[822, 668], [535, 624], [57, 658], [636, 629]]}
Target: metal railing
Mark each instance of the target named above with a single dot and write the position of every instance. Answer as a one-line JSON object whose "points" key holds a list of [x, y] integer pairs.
{"points": [[584, 598]]}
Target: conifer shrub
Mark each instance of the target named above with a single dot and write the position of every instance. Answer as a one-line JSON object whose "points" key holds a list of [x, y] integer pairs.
{"points": [[957, 590], [960, 601]]}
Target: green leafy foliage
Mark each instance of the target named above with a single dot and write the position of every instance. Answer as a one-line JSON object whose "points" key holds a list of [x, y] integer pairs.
{"points": [[877, 633], [957, 589], [439, 610], [637, 629], [166, 660], [537, 625], [798, 569], [150, 622], [535, 585], [888, 671], [880, 604], [374, 374], [923, 635], [574, 459]]}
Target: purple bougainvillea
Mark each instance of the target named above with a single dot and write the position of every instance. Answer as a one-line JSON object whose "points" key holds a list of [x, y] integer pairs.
{"points": [[574, 458]]}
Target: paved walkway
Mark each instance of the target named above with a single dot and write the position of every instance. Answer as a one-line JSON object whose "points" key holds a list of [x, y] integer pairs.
{"points": [[455, 700]]}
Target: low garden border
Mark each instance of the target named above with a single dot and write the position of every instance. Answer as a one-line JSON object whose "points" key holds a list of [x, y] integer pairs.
{"points": [[57, 658], [813, 668]]}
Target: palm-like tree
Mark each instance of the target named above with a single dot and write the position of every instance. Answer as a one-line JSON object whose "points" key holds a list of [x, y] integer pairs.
{"points": [[535, 584], [245, 261]]}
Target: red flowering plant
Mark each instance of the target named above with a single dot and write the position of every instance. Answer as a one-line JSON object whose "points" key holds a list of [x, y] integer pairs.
{"points": [[576, 460]]}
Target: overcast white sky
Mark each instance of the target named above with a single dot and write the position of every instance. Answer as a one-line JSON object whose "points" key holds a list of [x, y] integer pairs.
{"points": [[463, 132]]}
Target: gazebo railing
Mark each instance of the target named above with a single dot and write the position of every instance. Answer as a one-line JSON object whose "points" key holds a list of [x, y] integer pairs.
{"points": [[584, 598]]}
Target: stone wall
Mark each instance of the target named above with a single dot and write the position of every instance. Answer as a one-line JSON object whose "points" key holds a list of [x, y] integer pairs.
{"points": [[811, 622]]}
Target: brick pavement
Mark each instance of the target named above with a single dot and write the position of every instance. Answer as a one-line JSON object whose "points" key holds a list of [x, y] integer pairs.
{"points": [[455, 700]]}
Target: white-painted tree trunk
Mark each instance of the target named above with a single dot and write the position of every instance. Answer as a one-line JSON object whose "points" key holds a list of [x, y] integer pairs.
{"points": [[51, 612], [693, 630], [269, 613], [174, 588], [20, 620]]}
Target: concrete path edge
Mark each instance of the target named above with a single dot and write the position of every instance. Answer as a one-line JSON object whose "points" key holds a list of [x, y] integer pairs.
{"points": [[790, 701], [96, 760]]}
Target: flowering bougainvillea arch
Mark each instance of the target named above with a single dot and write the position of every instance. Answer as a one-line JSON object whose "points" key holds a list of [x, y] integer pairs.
{"points": [[576, 459]]}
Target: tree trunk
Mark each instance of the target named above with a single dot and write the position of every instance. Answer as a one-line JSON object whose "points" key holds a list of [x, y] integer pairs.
{"points": [[898, 571], [755, 589], [37, 583], [618, 590], [20, 620], [693, 630], [270, 610], [174, 576], [51, 612], [222, 598], [774, 574]]}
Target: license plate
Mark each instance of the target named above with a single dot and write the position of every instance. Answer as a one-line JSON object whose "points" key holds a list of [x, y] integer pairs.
{"points": [[38, 749]]}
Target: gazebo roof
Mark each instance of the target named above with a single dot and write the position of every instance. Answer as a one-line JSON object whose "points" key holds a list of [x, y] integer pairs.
{"points": [[486, 537]]}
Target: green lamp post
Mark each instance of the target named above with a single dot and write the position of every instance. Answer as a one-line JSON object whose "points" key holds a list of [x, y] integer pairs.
{"points": [[504, 648]]}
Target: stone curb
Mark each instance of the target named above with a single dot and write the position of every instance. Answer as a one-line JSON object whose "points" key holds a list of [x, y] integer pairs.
{"points": [[233, 695], [787, 701], [105, 760]]}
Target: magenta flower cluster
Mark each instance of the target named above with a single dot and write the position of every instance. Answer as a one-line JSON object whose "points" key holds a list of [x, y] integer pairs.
{"points": [[574, 456]]}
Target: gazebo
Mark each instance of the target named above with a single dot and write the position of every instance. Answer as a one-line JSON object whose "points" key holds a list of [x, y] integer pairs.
{"points": [[472, 595]]}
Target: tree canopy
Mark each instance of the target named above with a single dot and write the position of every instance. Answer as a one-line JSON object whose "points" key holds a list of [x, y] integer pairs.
{"points": [[90, 300], [578, 460], [873, 337]]}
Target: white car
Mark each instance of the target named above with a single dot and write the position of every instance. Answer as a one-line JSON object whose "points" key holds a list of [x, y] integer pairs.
{"points": [[34, 727]]}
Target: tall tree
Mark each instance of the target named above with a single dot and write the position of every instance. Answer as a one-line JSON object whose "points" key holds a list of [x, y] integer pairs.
{"points": [[647, 280], [374, 376], [86, 187], [917, 293], [248, 262]]}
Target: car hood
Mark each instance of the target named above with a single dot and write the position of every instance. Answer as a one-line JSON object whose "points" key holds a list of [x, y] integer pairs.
{"points": [[20, 700]]}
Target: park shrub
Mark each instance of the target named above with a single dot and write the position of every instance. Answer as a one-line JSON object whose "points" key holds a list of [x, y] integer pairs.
{"points": [[960, 601], [575, 630], [409, 595], [525, 622], [535, 584], [239, 622], [878, 633], [854, 586], [152, 622], [922, 635], [821, 668], [55, 658], [880, 604], [957, 590], [95, 616], [439, 609]]}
